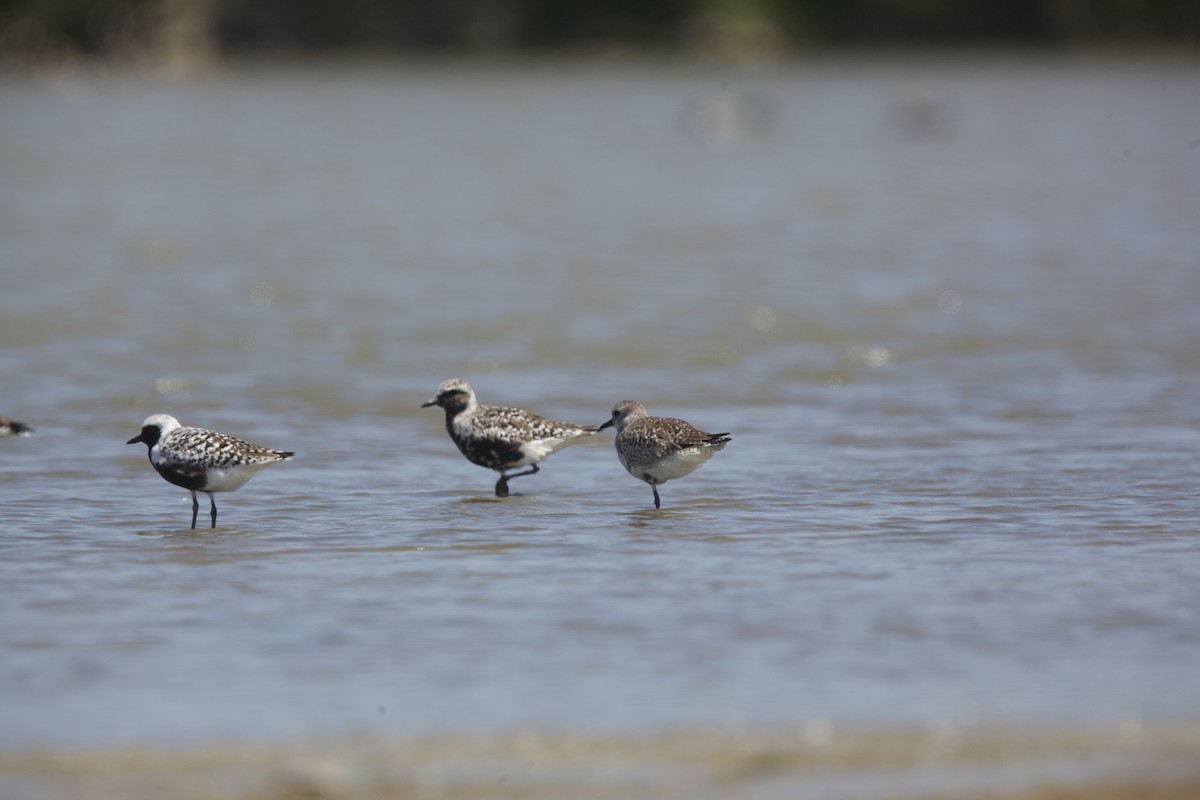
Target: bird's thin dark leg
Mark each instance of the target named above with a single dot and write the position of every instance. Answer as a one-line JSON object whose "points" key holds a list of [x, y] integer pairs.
{"points": [[502, 484], [213, 500], [529, 471], [657, 502], [195, 509]]}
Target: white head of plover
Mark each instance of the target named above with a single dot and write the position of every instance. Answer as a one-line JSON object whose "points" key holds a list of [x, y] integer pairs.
{"points": [[10, 427], [659, 449], [501, 438], [201, 460]]}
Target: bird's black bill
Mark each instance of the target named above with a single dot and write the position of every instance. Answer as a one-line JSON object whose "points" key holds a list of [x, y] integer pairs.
{"points": [[606, 424], [428, 403], [135, 439]]}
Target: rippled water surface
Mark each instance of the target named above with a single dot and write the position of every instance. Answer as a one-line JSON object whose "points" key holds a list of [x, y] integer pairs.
{"points": [[948, 311]]}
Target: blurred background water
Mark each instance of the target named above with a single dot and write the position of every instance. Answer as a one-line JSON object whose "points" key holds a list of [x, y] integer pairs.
{"points": [[946, 305]]}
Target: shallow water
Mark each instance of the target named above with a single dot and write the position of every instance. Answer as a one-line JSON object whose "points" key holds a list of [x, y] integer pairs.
{"points": [[947, 309]]}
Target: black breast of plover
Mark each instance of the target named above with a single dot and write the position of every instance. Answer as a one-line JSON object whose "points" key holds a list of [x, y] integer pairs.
{"points": [[202, 461], [10, 427], [501, 438], [659, 449]]}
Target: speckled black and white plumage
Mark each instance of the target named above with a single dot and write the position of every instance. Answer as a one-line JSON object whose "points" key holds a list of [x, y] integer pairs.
{"points": [[498, 437], [659, 449], [200, 460], [10, 427]]}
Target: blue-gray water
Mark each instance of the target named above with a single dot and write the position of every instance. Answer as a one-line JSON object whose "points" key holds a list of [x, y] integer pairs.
{"points": [[949, 311]]}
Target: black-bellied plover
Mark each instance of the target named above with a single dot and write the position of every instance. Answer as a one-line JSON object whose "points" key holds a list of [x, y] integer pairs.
{"points": [[659, 449], [501, 438], [202, 461], [10, 427]]}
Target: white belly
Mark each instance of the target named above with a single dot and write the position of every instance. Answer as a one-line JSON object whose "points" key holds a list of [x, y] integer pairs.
{"points": [[670, 467], [231, 478]]}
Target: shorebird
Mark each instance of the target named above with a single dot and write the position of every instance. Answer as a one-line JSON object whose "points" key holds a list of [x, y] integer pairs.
{"points": [[10, 427], [501, 438], [659, 449], [200, 460]]}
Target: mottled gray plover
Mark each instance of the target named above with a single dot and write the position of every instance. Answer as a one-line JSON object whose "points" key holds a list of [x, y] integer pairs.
{"points": [[10, 427], [501, 438], [202, 461], [659, 449]]}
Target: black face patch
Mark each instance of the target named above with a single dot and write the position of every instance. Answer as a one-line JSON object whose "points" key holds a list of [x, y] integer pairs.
{"points": [[151, 435], [454, 400]]}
